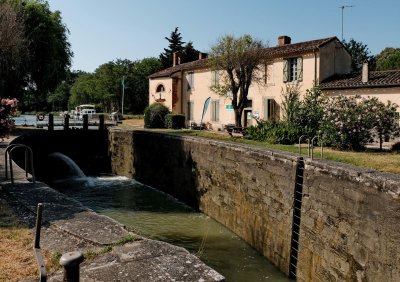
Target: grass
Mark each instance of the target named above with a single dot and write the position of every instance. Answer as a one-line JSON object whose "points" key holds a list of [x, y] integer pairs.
{"points": [[16, 248], [381, 161]]}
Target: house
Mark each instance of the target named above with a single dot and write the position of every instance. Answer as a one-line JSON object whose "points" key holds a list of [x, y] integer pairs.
{"points": [[185, 87], [384, 85]]}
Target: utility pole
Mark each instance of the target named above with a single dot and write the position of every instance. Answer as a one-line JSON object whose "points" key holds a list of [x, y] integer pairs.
{"points": [[343, 7]]}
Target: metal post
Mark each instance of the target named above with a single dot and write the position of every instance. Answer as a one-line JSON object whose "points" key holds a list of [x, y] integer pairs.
{"points": [[101, 122], [66, 122], [51, 122], [71, 262], [85, 125], [38, 225]]}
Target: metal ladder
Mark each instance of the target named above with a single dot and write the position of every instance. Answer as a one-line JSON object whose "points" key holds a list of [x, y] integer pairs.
{"points": [[28, 160], [297, 202]]}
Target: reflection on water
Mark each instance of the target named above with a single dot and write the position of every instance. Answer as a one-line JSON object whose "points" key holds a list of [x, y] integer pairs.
{"points": [[159, 216]]}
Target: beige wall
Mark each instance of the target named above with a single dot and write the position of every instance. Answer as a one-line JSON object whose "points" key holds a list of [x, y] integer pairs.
{"points": [[383, 94], [167, 95], [334, 59]]}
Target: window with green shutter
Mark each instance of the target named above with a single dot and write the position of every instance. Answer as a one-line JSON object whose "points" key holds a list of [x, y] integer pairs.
{"points": [[215, 110], [293, 69]]}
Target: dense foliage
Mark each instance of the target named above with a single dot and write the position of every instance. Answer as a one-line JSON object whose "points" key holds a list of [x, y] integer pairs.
{"points": [[343, 122], [359, 54], [175, 121], [40, 55], [104, 87], [8, 108], [187, 52], [388, 59], [154, 115]]}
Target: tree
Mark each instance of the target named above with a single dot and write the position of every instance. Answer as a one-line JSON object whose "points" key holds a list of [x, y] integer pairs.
{"points": [[238, 60], [175, 45], [359, 54], [13, 50], [189, 53], [49, 50], [388, 59]]}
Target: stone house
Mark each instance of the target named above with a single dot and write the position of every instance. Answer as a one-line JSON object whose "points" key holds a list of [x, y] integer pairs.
{"points": [[185, 87]]}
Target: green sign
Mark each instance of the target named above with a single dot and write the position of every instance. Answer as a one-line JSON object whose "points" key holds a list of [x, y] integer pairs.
{"points": [[229, 108]]}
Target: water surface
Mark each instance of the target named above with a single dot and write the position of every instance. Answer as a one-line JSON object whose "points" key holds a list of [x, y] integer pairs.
{"points": [[159, 216]]}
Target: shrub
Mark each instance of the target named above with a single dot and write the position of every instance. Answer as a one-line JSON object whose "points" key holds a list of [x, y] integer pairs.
{"points": [[274, 132], [175, 121], [154, 115], [396, 147]]}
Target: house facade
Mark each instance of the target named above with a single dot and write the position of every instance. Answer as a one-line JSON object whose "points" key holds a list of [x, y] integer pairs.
{"points": [[185, 87]]}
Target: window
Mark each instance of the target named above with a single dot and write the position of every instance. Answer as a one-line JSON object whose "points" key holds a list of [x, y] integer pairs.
{"points": [[268, 73], [269, 109], [160, 88], [190, 81], [215, 110], [190, 107], [215, 78], [293, 69]]}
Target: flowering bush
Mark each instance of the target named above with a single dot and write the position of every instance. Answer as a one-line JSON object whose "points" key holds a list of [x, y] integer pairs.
{"points": [[352, 122], [8, 109]]}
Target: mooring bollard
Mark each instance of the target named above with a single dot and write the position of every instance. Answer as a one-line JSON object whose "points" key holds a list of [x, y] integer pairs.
{"points": [[70, 262], [66, 122], [85, 118], [51, 122], [101, 122]]}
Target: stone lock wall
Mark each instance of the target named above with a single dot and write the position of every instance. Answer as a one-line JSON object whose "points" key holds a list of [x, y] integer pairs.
{"points": [[349, 218], [350, 227]]}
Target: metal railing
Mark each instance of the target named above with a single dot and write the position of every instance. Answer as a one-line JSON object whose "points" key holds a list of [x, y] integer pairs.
{"points": [[28, 160], [310, 144]]}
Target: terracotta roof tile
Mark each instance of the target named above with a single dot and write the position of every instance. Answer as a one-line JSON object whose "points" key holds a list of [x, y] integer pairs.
{"points": [[272, 52], [376, 79]]}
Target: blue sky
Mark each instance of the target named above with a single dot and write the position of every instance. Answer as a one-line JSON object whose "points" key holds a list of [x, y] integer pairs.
{"points": [[104, 30]]}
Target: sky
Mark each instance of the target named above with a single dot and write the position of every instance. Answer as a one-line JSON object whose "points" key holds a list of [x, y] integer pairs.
{"points": [[105, 30]]}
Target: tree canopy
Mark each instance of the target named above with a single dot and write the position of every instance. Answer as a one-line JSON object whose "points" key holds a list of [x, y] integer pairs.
{"points": [[359, 54], [388, 59], [104, 89], [237, 60], [188, 52], [48, 53]]}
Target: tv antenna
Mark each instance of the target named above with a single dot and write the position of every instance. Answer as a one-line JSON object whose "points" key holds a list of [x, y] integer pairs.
{"points": [[344, 7]]}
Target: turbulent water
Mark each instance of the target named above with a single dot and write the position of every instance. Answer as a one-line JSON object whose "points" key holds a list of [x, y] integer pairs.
{"points": [[159, 216]]}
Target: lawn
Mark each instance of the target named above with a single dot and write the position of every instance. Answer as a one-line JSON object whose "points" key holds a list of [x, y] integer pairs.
{"points": [[381, 161]]}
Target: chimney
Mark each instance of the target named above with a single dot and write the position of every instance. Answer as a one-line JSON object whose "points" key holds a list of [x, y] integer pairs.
{"points": [[365, 72], [176, 58], [202, 55], [283, 40]]}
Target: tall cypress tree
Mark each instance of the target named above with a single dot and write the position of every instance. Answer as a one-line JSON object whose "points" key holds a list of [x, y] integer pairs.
{"points": [[175, 44]]}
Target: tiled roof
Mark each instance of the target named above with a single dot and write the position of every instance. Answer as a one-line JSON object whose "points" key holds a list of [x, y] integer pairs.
{"points": [[375, 79], [272, 52]]}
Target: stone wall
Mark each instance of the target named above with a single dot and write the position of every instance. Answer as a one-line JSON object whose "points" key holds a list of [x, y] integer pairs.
{"points": [[349, 216]]}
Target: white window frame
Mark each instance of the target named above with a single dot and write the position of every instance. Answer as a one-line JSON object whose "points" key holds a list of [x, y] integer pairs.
{"points": [[293, 69], [215, 110]]}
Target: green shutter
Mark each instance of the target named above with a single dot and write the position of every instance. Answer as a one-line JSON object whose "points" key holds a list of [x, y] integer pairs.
{"points": [[286, 71], [299, 68], [217, 110]]}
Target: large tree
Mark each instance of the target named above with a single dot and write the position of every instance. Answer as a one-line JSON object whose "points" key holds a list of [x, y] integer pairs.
{"points": [[238, 61], [359, 54], [188, 52], [175, 45], [13, 49], [388, 59], [48, 56]]}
